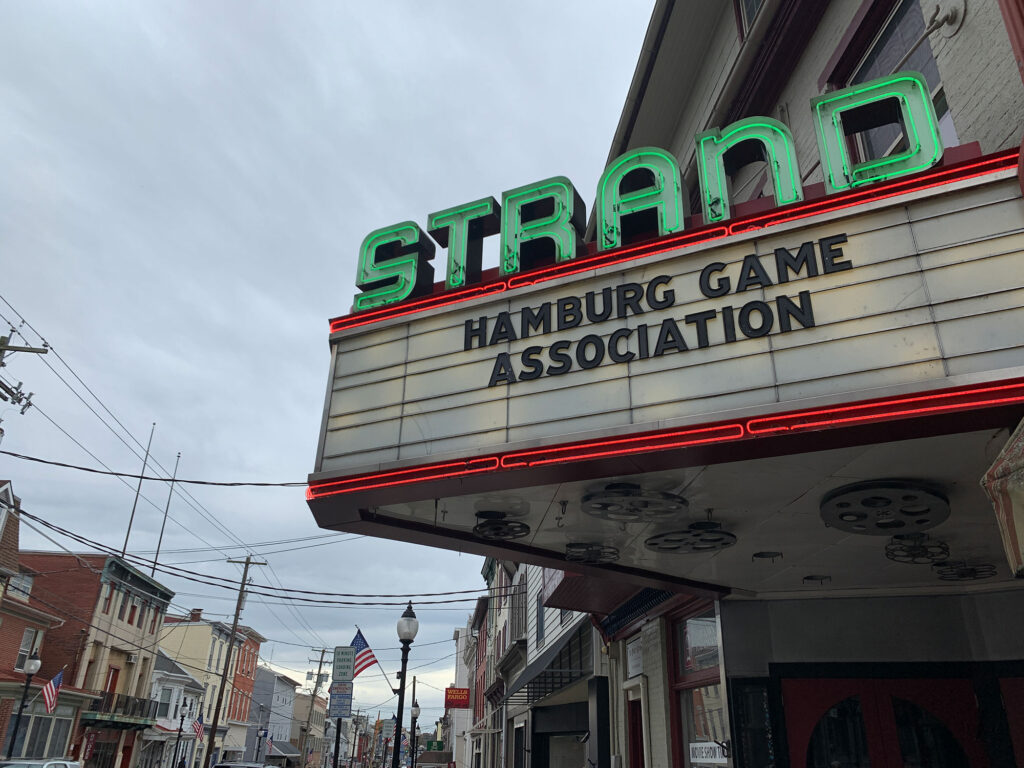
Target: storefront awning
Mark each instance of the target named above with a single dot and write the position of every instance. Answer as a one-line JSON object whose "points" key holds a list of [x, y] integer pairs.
{"points": [[567, 660], [283, 750]]}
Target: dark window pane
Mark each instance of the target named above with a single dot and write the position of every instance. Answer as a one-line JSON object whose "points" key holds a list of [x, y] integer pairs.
{"points": [[839, 739], [924, 741]]}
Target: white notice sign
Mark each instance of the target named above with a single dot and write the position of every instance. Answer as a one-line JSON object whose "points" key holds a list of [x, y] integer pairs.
{"points": [[635, 657], [344, 663], [707, 753]]}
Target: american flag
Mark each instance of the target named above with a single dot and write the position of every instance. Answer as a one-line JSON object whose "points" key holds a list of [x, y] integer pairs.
{"points": [[197, 726], [50, 691], [270, 744], [364, 656]]}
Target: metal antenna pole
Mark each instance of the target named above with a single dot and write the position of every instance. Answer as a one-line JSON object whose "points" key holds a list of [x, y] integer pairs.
{"points": [[227, 658], [138, 490], [163, 525]]}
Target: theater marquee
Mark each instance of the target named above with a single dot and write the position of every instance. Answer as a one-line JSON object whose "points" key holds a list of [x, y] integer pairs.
{"points": [[893, 298]]}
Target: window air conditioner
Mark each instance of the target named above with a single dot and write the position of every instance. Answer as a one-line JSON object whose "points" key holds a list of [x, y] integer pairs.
{"points": [[133, 658]]}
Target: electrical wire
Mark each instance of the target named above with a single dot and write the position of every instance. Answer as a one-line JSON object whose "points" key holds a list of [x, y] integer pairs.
{"points": [[183, 573]]}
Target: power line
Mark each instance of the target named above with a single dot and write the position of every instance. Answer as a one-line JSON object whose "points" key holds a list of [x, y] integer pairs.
{"points": [[170, 570]]}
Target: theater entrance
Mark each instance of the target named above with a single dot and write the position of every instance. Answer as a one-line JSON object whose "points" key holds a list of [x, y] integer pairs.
{"points": [[883, 723]]}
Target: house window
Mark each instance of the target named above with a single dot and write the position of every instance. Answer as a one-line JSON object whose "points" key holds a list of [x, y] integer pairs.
{"points": [[153, 621], [746, 11], [540, 620], [134, 609], [20, 586], [108, 597], [904, 27], [125, 597], [164, 707], [30, 641], [209, 661]]}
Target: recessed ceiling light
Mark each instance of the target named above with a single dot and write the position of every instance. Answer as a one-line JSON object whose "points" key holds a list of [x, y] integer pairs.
{"points": [[817, 578]]}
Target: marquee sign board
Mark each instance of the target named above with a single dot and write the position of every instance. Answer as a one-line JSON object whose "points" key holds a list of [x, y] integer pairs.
{"points": [[839, 304]]}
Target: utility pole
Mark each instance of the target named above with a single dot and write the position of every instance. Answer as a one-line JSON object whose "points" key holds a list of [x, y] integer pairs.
{"points": [[14, 395], [227, 658], [309, 715], [355, 738]]}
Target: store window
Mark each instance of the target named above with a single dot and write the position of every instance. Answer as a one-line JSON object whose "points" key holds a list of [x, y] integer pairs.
{"points": [[40, 733], [699, 697], [894, 44]]}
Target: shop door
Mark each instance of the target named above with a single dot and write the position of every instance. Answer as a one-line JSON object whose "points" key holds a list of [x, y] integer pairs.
{"points": [[857, 723], [636, 734]]}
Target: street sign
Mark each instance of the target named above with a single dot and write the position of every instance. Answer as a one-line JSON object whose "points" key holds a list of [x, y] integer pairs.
{"points": [[340, 706], [344, 663], [435, 746], [340, 686]]}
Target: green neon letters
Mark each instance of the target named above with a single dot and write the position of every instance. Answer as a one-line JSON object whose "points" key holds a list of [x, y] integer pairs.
{"points": [[666, 196], [779, 151], [394, 265], [545, 220], [461, 230], [546, 213], [924, 147]]}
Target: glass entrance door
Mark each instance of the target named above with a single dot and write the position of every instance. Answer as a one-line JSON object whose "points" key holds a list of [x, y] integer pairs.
{"points": [[882, 723]]}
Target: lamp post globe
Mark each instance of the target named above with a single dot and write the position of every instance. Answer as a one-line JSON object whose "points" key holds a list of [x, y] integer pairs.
{"points": [[413, 732], [408, 626], [32, 664]]}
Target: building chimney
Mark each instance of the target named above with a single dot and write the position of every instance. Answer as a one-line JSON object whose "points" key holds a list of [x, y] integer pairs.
{"points": [[196, 614]]}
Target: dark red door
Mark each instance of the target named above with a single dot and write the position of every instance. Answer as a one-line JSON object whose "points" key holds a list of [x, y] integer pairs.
{"points": [[897, 723], [636, 734]]}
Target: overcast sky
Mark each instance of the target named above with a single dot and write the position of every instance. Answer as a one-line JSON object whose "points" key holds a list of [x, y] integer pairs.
{"points": [[183, 190]]}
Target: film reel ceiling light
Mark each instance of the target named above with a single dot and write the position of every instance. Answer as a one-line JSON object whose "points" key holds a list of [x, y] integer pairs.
{"points": [[884, 507], [703, 536], [495, 527], [916, 549], [592, 554], [629, 503], [961, 570]]}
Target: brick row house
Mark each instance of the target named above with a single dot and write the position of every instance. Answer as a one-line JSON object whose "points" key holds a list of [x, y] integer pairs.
{"points": [[106, 644], [27, 626]]}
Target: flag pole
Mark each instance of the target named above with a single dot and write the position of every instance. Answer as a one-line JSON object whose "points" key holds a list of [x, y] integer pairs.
{"points": [[386, 679], [40, 693]]}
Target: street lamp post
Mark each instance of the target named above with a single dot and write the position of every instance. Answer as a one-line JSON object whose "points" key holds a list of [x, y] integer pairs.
{"points": [[408, 626], [181, 725], [415, 712], [32, 665]]}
